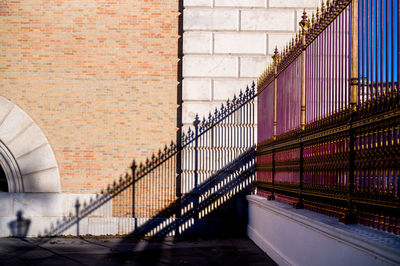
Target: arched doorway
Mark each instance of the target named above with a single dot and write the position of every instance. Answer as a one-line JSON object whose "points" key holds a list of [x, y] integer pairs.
{"points": [[10, 175], [3, 181], [26, 157]]}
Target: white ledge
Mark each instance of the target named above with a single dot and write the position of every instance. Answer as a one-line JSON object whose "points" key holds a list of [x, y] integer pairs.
{"points": [[272, 225]]}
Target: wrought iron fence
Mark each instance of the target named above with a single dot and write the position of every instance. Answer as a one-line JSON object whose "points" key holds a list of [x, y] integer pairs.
{"points": [[211, 164], [180, 169], [333, 146]]}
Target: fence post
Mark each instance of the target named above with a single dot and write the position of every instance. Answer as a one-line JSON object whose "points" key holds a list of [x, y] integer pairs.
{"points": [[350, 216], [196, 123], [275, 57], [354, 80], [133, 168], [304, 24]]}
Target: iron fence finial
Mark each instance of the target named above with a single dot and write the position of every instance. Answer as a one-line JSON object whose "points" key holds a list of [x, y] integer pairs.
{"points": [[275, 57], [313, 18], [304, 23], [196, 120]]}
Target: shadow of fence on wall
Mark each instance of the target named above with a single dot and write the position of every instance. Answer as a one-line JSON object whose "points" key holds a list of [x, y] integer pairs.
{"points": [[186, 214], [208, 169]]}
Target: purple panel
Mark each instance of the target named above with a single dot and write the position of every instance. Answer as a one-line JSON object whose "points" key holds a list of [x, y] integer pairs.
{"points": [[289, 98], [265, 113]]}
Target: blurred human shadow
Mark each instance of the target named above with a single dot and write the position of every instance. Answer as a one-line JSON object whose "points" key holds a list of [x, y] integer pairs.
{"points": [[20, 226]]}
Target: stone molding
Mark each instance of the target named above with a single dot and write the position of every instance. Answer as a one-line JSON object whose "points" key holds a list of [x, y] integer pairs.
{"points": [[287, 234], [25, 153]]}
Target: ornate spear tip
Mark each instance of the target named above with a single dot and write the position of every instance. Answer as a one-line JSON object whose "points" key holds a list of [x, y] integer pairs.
{"points": [[275, 57], [323, 7], [304, 24], [276, 52], [304, 17], [313, 18], [317, 14]]}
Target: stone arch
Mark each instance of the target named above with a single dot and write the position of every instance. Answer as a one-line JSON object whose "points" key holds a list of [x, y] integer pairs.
{"points": [[25, 154]]}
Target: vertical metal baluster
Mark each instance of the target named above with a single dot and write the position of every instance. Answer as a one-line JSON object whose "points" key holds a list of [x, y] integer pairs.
{"points": [[315, 66], [212, 147], [325, 73], [392, 55], [218, 141], [361, 51], [341, 59], [320, 76], [369, 50], [376, 53], [348, 54], [381, 50], [387, 48], [329, 73], [334, 72], [398, 48]]}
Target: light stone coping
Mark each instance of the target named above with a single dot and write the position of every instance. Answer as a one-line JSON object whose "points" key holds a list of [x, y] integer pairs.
{"points": [[35, 167], [288, 235]]}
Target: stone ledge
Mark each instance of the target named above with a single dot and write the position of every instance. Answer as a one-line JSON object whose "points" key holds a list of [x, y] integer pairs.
{"points": [[287, 235]]}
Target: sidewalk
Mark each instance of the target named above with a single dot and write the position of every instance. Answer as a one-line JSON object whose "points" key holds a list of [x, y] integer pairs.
{"points": [[119, 251]]}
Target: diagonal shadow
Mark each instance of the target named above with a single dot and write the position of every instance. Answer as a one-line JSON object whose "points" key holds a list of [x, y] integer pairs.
{"points": [[195, 204], [108, 194], [236, 178]]}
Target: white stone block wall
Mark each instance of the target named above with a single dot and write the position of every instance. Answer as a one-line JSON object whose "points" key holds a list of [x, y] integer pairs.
{"points": [[49, 211], [228, 43]]}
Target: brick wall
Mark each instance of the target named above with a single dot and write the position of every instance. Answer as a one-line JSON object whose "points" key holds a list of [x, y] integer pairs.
{"points": [[228, 43], [98, 77]]}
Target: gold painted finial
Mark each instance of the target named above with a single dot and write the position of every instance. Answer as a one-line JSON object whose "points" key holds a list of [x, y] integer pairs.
{"points": [[275, 57], [304, 24], [323, 7]]}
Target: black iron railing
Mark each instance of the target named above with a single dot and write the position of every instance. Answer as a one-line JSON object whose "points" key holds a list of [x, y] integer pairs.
{"points": [[212, 164]]}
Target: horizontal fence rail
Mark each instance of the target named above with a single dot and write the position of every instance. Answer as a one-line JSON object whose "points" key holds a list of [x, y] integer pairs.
{"points": [[341, 156]]}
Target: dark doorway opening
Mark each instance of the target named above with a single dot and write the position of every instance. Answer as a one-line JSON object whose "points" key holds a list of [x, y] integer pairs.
{"points": [[3, 181]]}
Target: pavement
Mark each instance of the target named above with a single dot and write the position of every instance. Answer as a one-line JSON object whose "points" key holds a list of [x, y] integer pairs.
{"points": [[123, 251]]}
